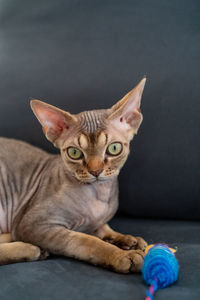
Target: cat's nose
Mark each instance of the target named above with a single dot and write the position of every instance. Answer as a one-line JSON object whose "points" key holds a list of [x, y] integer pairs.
{"points": [[96, 173]]}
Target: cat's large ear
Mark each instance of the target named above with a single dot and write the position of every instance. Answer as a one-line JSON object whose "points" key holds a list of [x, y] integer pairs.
{"points": [[54, 121], [126, 114]]}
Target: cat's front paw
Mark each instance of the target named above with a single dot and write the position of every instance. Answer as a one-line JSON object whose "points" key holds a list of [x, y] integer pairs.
{"points": [[128, 242], [128, 261]]}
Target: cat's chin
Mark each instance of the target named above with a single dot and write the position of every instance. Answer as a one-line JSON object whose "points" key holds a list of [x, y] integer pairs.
{"points": [[95, 180]]}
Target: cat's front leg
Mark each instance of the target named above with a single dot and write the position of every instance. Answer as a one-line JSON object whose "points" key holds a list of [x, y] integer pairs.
{"points": [[59, 240], [124, 241]]}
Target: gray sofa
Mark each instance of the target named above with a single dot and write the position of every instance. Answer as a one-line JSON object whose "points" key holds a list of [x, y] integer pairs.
{"points": [[81, 55], [61, 278]]}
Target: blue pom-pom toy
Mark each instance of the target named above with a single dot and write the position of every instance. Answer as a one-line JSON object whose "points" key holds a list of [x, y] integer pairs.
{"points": [[160, 268]]}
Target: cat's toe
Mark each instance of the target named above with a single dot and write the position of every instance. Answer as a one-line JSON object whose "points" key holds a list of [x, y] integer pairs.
{"points": [[141, 243], [127, 242], [129, 261]]}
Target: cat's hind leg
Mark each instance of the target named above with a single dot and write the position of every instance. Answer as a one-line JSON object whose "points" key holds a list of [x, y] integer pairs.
{"points": [[19, 252], [5, 238]]}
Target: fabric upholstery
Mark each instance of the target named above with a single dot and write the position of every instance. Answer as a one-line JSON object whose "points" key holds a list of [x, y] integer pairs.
{"points": [[64, 278], [82, 55]]}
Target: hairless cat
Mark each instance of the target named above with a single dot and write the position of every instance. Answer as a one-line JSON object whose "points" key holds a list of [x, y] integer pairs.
{"points": [[61, 204]]}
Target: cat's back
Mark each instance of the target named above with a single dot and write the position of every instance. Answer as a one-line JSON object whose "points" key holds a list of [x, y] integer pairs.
{"points": [[21, 166], [17, 151], [19, 159]]}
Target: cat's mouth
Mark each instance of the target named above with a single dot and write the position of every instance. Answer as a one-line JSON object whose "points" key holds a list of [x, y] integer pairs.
{"points": [[94, 179], [88, 178]]}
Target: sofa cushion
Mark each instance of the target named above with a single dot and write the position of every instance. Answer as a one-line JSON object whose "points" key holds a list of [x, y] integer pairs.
{"points": [[63, 278]]}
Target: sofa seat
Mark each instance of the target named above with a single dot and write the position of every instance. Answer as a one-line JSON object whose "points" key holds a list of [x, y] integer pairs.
{"points": [[63, 278]]}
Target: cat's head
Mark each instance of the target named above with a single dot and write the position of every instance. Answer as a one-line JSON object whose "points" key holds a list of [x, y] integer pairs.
{"points": [[93, 144]]}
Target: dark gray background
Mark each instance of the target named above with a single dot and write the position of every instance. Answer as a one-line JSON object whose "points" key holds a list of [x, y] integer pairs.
{"points": [[81, 55]]}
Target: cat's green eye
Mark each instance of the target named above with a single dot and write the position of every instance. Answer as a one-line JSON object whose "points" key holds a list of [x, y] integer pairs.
{"points": [[74, 153], [114, 149]]}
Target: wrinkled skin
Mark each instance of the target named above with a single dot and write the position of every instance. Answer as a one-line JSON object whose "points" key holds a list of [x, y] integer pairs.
{"points": [[61, 204]]}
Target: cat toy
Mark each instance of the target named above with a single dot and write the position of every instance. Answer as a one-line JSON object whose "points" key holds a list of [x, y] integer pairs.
{"points": [[160, 268]]}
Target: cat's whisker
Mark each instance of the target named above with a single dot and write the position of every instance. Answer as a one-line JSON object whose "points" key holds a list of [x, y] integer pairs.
{"points": [[54, 202]]}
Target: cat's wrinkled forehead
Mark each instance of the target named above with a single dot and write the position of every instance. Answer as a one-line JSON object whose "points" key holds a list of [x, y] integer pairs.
{"points": [[92, 125], [121, 120], [92, 121]]}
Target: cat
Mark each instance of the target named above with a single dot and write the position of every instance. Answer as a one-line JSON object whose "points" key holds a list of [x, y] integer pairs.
{"points": [[61, 204]]}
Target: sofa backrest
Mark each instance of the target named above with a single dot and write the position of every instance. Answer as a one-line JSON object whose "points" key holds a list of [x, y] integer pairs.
{"points": [[81, 55]]}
